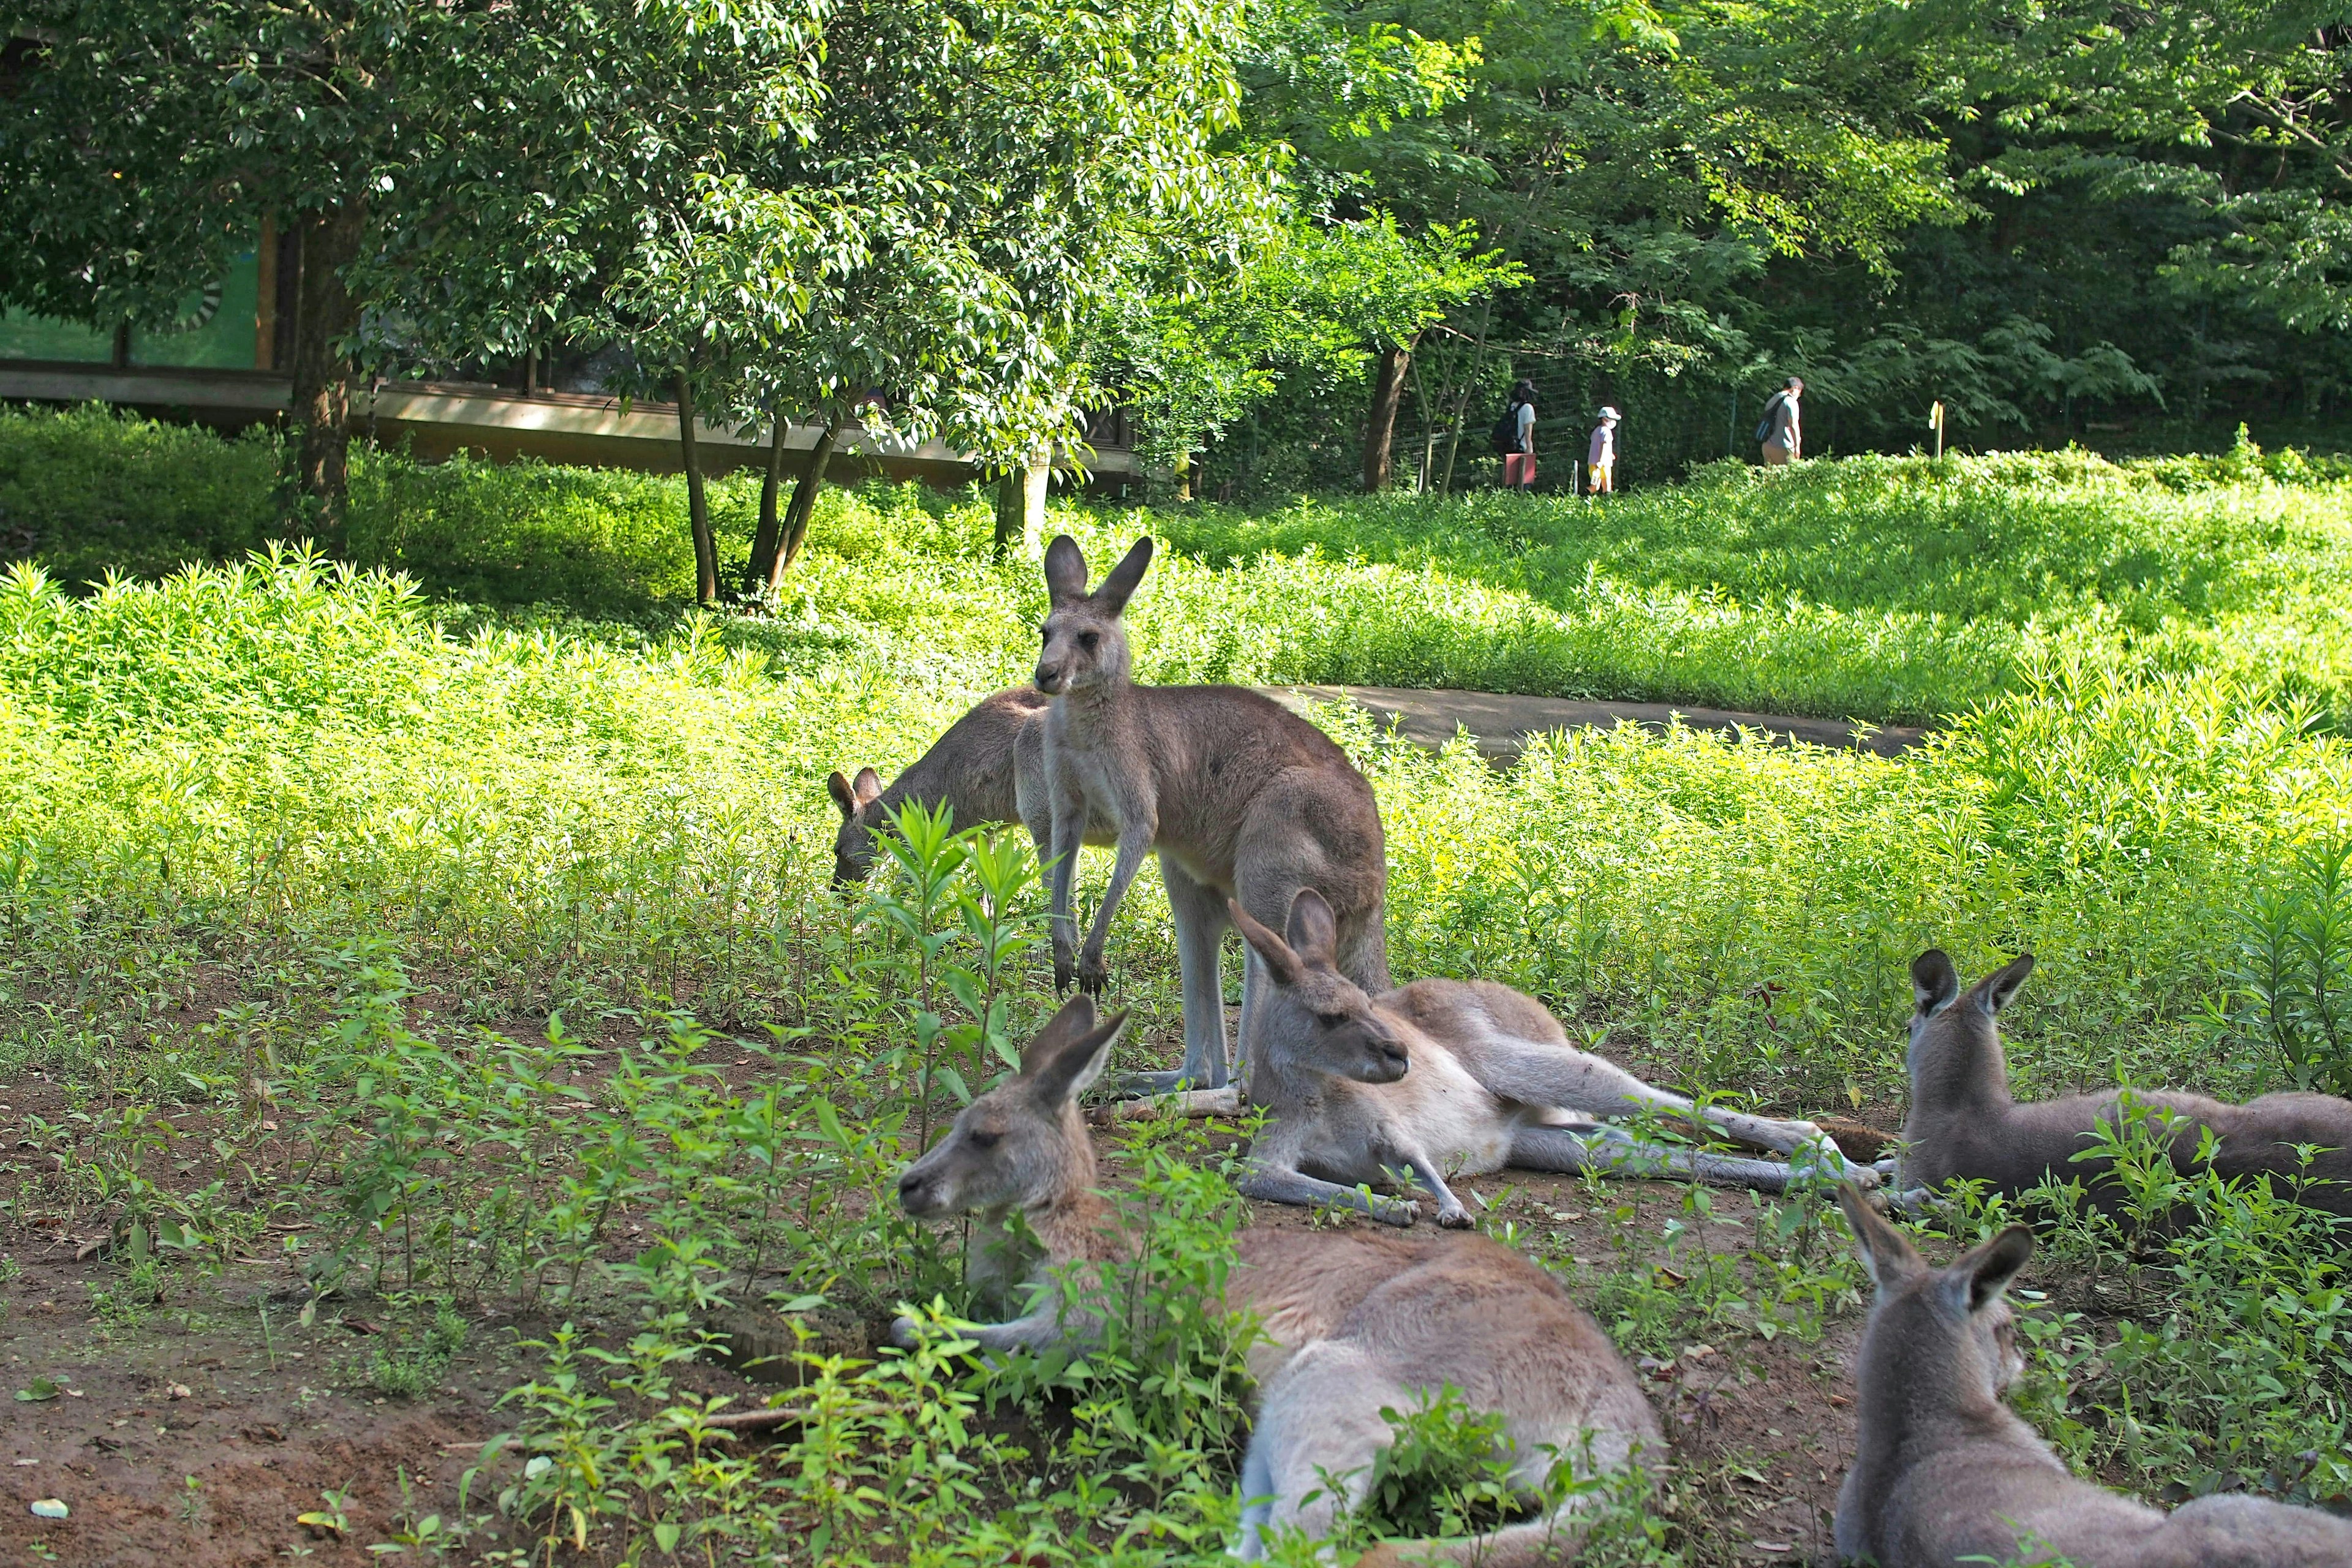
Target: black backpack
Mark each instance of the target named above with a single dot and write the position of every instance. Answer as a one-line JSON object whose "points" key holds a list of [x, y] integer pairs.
{"points": [[1764, 430], [1506, 432]]}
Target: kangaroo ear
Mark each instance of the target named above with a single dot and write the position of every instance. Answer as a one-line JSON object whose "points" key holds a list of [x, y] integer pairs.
{"points": [[1280, 961], [1077, 1017], [843, 795], [1995, 990], [1885, 1250], [1314, 931], [1120, 585], [1977, 1278], [869, 786], [1076, 1061], [1934, 982], [1066, 571]]}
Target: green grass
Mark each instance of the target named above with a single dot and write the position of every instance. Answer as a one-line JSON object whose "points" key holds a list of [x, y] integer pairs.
{"points": [[381, 833]]}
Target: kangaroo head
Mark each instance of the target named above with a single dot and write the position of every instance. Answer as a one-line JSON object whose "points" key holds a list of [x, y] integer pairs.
{"points": [[1023, 1143], [852, 844], [1937, 1331], [1956, 1035], [1312, 1015], [1082, 642]]}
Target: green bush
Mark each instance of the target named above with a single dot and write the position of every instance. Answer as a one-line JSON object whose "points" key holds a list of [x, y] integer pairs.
{"points": [[88, 492]]}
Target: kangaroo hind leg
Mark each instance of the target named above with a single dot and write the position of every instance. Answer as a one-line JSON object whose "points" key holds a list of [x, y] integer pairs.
{"points": [[1201, 921], [1318, 1427], [1613, 1151]]}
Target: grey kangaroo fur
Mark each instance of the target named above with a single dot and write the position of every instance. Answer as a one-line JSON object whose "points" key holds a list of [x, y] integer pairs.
{"points": [[1353, 1321], [1451, 1076], [1943, 1472], [990, 766], [1962, 1122], [1242, 799]]}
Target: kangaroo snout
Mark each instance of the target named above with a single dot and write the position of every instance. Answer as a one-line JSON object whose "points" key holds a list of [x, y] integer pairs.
{"points": [[915, 1194], [1049, 678]]}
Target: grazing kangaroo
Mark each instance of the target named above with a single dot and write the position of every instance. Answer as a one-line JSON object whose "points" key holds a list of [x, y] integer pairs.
{"points": [[973, 768], [1354, 1321], [1242, 798], [1945, 1473], [1964, 1124], [1493, 1082], [990, 767]]}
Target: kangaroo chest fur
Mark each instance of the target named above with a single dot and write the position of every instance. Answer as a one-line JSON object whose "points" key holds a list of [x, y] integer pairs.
{"points": [[1350, 1133]]}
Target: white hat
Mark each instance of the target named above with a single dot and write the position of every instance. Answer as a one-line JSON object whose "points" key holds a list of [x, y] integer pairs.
{"points": [[1607, 413]]}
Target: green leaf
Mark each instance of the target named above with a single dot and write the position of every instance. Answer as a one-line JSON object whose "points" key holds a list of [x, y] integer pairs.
{"points": [[41, 1389]]}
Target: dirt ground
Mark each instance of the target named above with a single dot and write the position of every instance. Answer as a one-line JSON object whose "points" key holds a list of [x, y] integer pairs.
{"points": [[195, 1432]]}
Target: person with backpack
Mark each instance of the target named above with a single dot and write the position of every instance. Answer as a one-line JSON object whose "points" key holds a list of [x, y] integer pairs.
{"points": [[1601, 458], [1780, 435], [1515, 438]]}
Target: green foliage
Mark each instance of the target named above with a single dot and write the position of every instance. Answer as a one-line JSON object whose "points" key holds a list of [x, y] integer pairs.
{"points": [[87, 492], [2208, 1352], [1443, 1473], [2291, 985]]}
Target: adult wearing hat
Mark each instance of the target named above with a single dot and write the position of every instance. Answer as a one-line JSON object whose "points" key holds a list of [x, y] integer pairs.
{"points": [[1601, 457]]}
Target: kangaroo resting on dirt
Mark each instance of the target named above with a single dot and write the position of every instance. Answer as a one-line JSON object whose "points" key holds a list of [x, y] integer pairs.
{"points": [[1963, 1123], [1945, 1473], [990, 766], [1353, 1321], [1452, 1076], [1242, 799]]}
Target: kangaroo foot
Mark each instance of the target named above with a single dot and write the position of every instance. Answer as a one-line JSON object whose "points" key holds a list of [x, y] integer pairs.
{"points": [[1177, 1100]]}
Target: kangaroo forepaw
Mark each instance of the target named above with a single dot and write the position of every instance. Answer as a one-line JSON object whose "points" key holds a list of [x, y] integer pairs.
{"points": [[1455, 1218], [1398, 1212], [1094, 973], [904, 1334]]}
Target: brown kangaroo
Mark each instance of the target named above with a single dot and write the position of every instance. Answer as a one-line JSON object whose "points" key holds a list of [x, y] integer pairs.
{"points": [[1353, 1322], [972, 768], [1945, 1473], [990, 766], [1964, 1124], [1242, 799], [1453, 1077]]}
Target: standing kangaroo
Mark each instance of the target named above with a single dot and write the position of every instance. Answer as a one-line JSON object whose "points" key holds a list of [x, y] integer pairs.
{"points": [[1493, 1082], [989, 767], [1242, 798], [1354, 1321], [1945, 1473], [1964, 1124]]}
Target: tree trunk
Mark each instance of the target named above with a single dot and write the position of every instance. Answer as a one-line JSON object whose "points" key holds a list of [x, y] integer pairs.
{"points": [[321, 371], [762, 565], [698, 504], [1020, 506], [805, 494], [1379, 425]]}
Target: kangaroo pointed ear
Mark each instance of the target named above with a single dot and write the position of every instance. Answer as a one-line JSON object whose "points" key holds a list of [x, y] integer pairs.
{"points": [[1077, 1017], [1066, 571], [1934, 982], [1884, 1250], [1125, 578], [1076, 1060], [1314, 931], [1995, 990], [1977, 1278], [1280, 961], [869, 786], [843, 795]]}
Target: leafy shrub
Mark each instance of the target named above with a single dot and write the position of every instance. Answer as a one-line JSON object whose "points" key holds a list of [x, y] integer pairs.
{"points": [[88, 492], [2291, 978]]}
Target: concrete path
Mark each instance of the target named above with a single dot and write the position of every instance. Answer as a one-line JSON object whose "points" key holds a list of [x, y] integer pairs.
{"points": [[1501, 723]]}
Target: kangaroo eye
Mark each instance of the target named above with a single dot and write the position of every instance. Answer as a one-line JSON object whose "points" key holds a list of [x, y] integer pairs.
{"points": [[1088, 640], [1330, 1020], [983, 1140]]}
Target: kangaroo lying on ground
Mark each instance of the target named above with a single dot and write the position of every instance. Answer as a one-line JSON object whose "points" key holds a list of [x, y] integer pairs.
{"points": [[1964, 1124], [1460, 1076], [1354, 1321], [1945, 1473], [1242, 798]]}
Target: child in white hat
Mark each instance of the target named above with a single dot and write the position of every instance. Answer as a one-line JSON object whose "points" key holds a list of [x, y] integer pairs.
{"points": [[1602, 459]]}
